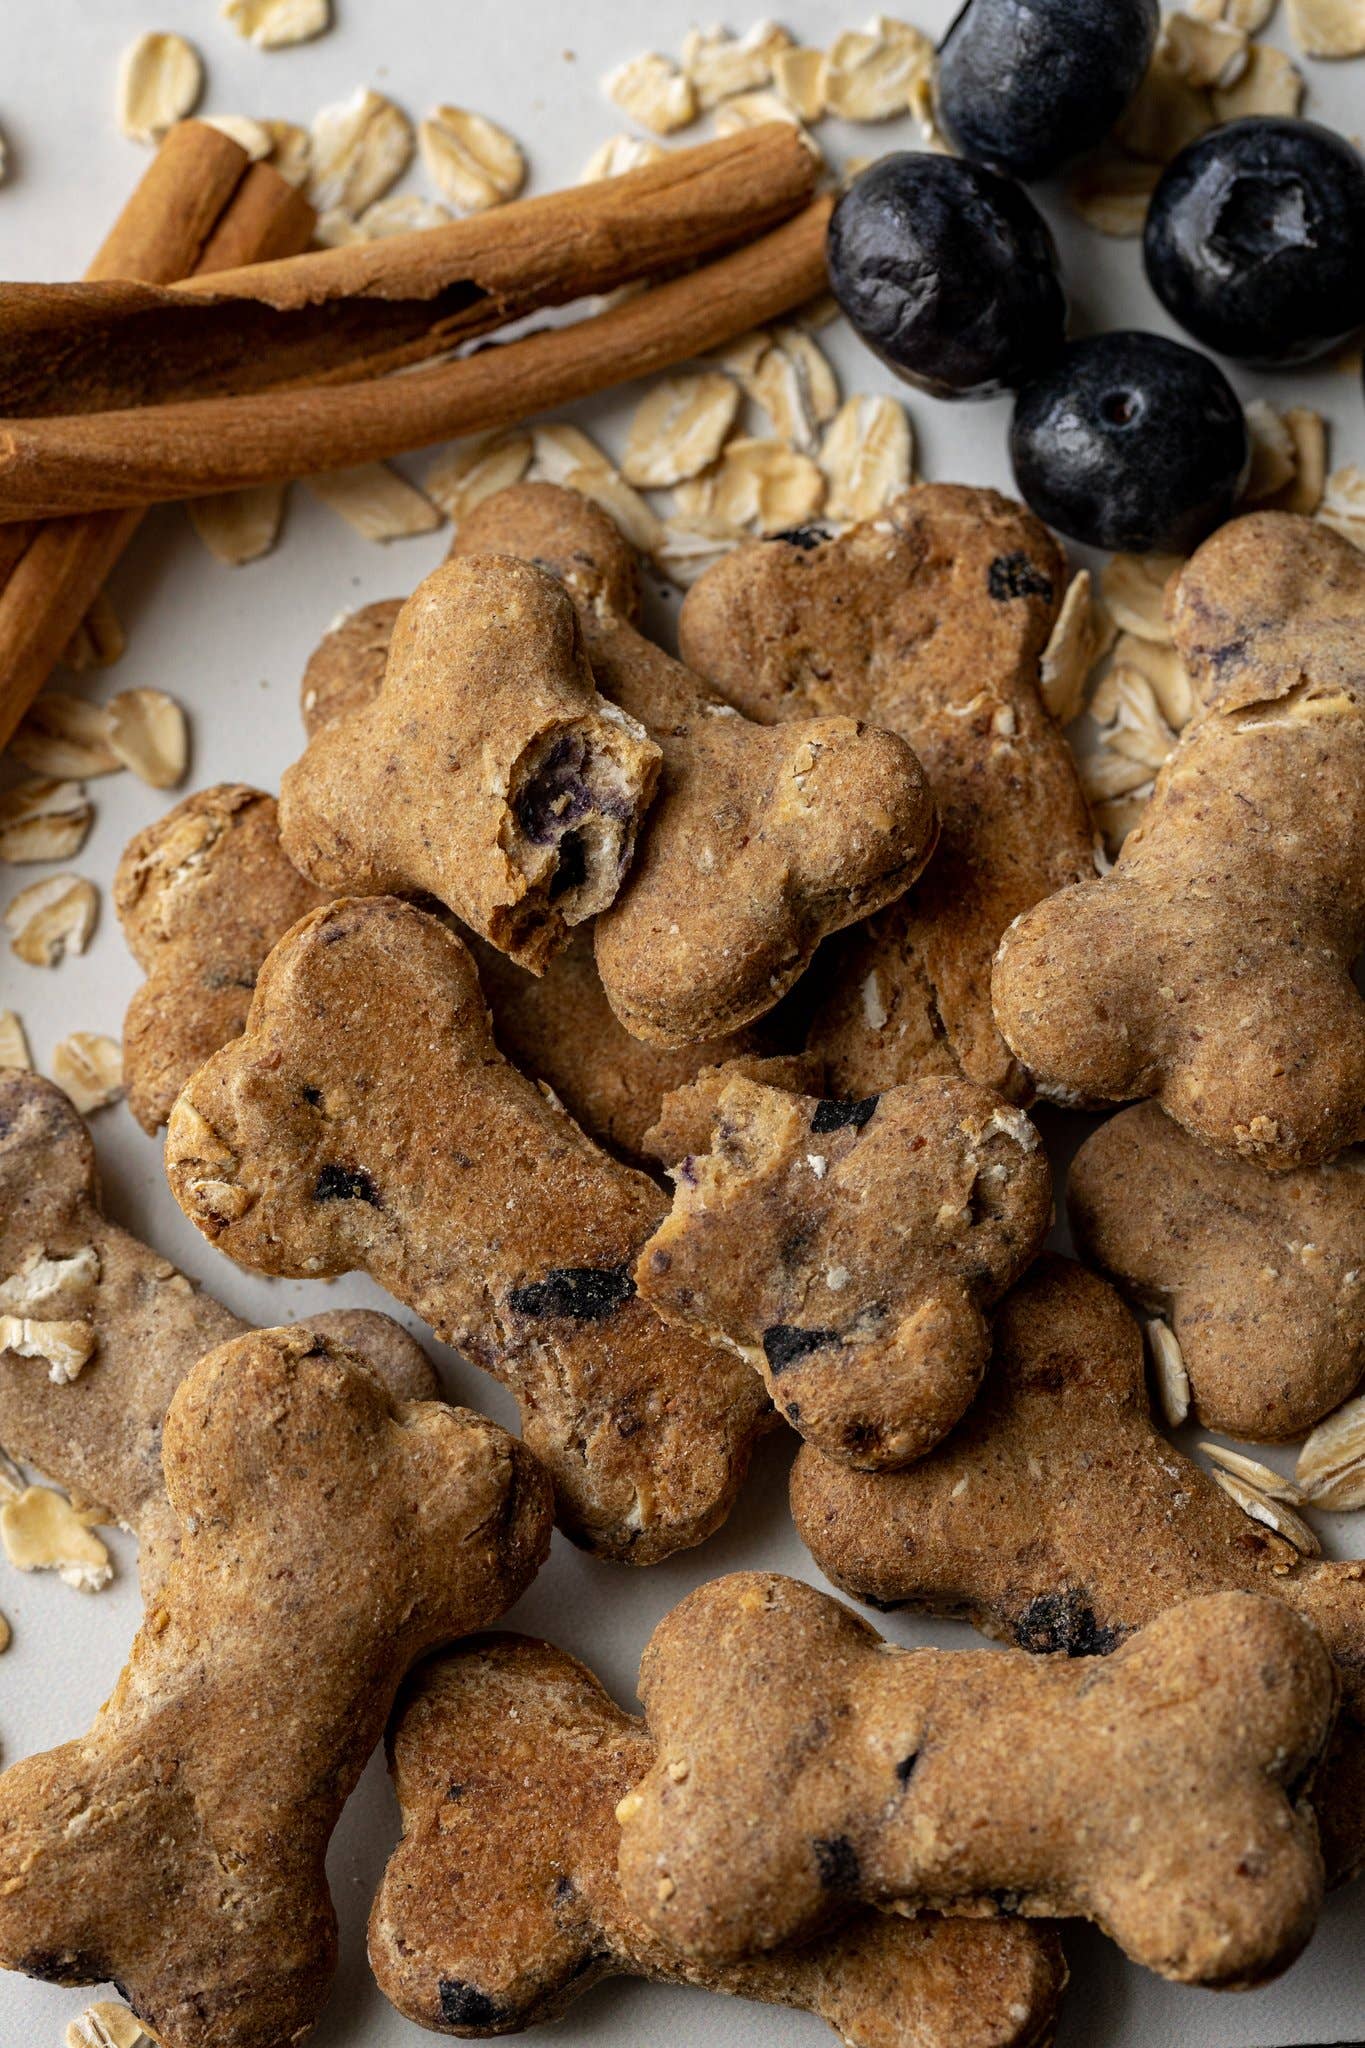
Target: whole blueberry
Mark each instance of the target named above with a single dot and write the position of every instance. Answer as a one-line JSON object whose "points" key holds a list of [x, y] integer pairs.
{"points": [[1255, 240], [1131, 441], [949, 273], [1025, 84]]}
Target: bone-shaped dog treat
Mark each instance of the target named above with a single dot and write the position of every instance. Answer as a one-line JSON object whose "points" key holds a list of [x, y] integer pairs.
{"points": [[328, 1538], [62, 1259], [1262, 1277], [202, 896], [1057, 1517], [804, 1765], [486, 772], [1212, 967], [849, 1251], [761, 841], [929, 620], [366, 1119], [501, 1904]]}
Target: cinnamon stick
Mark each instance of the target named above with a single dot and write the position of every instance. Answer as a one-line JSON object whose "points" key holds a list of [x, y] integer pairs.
{"points": [[378, 306], [52, 466], [199, 202]]}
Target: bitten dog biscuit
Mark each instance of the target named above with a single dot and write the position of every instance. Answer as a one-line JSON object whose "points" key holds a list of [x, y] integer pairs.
{"points": [[849, 1250], [486, 772], [1212, 968], [804, 1765], [328, 1538], [1262, 1278], [1057, 1517], [134, 1325], [501, 1905], [202, 895], [761, 842], [930, 620], [365, 1119]]}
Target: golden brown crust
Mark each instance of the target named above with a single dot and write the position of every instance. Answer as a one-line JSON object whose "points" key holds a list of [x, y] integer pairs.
{"points": [[327, 1539], [1212, 968], [366, 1120], [1261, 1277], [929, 620], [501, 1905], [804, 1765], [346, 668]]}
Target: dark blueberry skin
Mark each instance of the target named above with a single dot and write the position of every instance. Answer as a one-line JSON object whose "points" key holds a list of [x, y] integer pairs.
{"points": [[1131, 441], [1255, 240], [1025, 84], [948, 273]]}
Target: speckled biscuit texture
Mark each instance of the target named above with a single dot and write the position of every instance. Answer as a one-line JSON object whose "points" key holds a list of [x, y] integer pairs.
{"points": [[804, 1765], [1262, 1277], [760, 843], [1211, 969], [930, 620], [366, 1119], [850, 1250], [328, 1538], [501, 1905]]}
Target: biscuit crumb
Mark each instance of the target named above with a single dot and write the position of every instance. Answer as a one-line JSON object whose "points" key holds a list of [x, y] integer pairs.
{"points": [[64, 1347], [41, 1531]]}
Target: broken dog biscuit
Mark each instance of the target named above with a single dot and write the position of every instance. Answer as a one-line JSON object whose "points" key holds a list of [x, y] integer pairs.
{"points": [[328, 1538], [805, 1766], [849, 1251], [202, 895], [761, 842], [487, 771], [1211, 968], [365, 1119], [930, 620], [501, 1904], [1057, 1517], [1260, 1276]]}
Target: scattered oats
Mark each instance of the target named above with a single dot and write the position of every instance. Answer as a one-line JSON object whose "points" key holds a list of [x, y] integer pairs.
{"points": [[755, 110], [565, 455], [147, 731], [875, 1012], [1165, 113], [1106, 775], [65, 737], [1328, 28], [43, 1285], [1269, 85], [336, 229], [1331, 1465], [99, 640], [160, 79], [1272, 451], [818, 314], [88, 1067], [1160, 668], [1272, 1514], [473, 470], [252, 136], [618, 154], [359, 148], [43, 821], [275, 24], [719, 65], [64, 1347], [106, 2025], [1070, 653], [870, 71], [1137, 728], [923, 109], [42, 1531], [679, 428], [291, 150], [6, 1637], [1134, 588], [690, 547], [654, 92], [402, 213], [1249, 15], [757, 484], [1168, 1371], [1308, 433], [742, 356], [51, 918], [376, 501], [239, 526], [471, 161], [795, 385], [1110, 191], [14, 1050], [1343, 504], [800, 76], [867, 456], [1205, 52], [1263, 1477], [818, 1164]]}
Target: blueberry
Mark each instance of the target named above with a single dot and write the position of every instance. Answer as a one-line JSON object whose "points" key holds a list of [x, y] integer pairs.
{"points": [[1025, 84], [1131, 441], [1255, 240], [949, 274]]}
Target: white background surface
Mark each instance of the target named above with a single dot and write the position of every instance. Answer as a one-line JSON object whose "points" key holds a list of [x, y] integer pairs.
{"points": [[232, 644]]}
